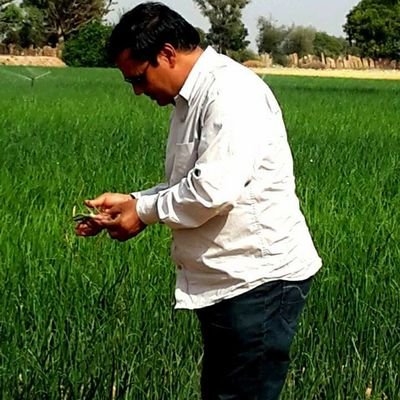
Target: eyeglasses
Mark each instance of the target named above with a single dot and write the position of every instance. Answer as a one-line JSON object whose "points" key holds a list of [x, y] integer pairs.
{"points": [[138, 80]]}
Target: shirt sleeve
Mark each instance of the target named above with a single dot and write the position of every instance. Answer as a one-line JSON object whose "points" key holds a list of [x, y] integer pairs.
{"points": [[151, 191], [228, 153]]}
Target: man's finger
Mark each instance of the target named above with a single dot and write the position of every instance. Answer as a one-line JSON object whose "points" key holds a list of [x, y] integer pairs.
{"points": [[98, 202], [107, 219], [87, 229]]}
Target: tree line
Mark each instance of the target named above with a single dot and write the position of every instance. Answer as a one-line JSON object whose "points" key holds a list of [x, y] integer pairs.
{"points": [[47, 22], [372, 29]]}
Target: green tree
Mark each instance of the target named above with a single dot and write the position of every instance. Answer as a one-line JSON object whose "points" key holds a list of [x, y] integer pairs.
{"points": [[331, 46], [32, 31], [64, 17], [243, 55], [270, 36], [4, 4], [227, 32], [299, 40], [11, 20], [22, 26], [374, 27], [203, 38], [87, 47]]}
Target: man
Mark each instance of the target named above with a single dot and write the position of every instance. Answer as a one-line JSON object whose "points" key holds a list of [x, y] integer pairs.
{"points": [[244, 255]]}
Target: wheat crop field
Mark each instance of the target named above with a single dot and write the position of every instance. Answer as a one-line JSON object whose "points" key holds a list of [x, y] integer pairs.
{"points": [[94, 318]]}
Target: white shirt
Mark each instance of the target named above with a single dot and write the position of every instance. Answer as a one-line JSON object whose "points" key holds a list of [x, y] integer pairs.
{"points": [[230, 193]]}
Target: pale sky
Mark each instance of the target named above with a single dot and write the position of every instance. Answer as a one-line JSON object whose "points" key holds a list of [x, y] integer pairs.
{"points": [[324, 15]]}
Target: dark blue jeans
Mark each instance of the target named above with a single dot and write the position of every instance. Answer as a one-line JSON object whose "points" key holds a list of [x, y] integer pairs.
{"points": [[247, 340]]}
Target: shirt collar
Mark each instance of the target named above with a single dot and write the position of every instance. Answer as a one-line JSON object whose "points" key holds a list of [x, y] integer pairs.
{"points": [[202, 65]]}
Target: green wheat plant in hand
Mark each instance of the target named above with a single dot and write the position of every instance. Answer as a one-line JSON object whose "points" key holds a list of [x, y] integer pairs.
{"points": [[82, 215]]}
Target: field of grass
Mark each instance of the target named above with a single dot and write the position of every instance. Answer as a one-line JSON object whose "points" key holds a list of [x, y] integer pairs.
{"points": [[94, 319]]}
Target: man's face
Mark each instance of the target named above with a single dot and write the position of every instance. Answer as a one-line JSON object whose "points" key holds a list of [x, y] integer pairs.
{"points": [[146, 78]]}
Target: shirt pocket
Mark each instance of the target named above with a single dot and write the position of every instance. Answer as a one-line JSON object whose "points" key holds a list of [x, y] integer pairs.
{"points": [[185, 156]]}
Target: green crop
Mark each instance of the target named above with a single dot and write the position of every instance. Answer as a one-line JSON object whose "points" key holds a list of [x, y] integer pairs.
{"points": [[90, 318]]}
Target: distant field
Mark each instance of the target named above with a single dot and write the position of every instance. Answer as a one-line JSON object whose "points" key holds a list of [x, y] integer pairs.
{"points": [[94, 319]]}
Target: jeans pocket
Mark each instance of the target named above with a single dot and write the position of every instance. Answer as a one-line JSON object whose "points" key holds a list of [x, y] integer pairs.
{"points": [[294, 296]]}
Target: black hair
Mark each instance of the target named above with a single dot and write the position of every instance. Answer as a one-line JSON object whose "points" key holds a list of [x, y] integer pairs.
{"points": [[146, 28]]}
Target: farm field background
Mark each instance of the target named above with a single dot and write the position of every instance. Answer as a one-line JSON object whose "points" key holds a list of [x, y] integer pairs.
{"points": [[94, 319]]}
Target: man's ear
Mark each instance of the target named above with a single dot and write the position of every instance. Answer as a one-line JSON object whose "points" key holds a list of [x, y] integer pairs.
{"points": [[167, 54]]}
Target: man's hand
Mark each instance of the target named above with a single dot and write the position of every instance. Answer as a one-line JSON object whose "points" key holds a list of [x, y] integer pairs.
{"points": [[117, 214]]}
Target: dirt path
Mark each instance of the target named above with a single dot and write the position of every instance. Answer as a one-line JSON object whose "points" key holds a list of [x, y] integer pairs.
{"points": [[331, 73], [31, 61]]}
